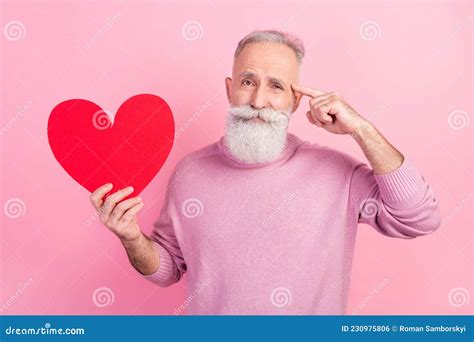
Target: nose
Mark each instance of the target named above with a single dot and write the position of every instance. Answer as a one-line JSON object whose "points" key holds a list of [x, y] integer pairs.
{"points": [[259, 98]]}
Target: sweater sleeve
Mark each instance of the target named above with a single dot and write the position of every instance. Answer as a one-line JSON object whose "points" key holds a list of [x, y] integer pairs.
{"points": [[172, 264], [398, 204]]}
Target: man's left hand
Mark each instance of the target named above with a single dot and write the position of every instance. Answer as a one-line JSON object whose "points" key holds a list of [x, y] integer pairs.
{"points": [[330, 111]]}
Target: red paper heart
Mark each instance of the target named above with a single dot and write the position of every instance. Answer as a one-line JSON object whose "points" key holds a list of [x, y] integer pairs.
{"points": [[94, 151]]}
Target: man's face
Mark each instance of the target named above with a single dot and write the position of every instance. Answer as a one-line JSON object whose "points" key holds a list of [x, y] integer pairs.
{"points": [[261, 101], [262, 76]]}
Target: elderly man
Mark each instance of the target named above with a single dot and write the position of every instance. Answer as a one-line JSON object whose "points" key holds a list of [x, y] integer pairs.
{"points": [[261, 221]]}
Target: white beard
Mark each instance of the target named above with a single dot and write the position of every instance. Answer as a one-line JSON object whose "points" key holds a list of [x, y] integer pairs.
{"points": [[256, 142]]}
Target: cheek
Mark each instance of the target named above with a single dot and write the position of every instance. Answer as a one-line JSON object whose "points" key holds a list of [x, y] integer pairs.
{"points": [[241, 97], [280, 102]]}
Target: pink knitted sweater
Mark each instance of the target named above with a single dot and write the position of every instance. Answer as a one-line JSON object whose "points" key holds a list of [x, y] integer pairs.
{"points": [[278, 237]]}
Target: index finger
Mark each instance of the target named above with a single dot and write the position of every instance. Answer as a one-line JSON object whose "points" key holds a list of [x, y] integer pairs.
{"points": [[307, 91], [98, 194]]}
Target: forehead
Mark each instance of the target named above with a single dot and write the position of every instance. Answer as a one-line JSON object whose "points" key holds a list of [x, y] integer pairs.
{"points": [[267, 60]]}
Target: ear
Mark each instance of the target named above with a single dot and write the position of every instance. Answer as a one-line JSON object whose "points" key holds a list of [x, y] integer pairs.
{"points": [[228, 87], [296, 100]]}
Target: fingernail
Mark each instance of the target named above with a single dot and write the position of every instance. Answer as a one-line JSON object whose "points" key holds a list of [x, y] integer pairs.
{"points": [[139, 198], [130, 188]]}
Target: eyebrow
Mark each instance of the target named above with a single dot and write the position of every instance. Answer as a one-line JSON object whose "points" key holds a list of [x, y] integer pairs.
{"points": [[271, 79]]}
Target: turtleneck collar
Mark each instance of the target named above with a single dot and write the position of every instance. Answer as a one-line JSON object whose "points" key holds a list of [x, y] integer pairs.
{"points": [[291, 144]]}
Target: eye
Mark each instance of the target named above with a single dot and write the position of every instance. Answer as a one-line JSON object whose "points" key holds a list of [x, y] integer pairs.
{"points": [[277, 86], [247, 82]]}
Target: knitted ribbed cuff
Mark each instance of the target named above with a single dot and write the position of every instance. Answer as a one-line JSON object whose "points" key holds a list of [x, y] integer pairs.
{"points": [[166, 267], [401, 187]]}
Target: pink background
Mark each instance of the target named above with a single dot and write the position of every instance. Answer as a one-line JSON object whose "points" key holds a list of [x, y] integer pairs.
{"points": [[413, 81]]}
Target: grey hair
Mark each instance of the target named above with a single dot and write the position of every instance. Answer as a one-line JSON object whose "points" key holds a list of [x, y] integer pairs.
{"points": [[273, 36]]}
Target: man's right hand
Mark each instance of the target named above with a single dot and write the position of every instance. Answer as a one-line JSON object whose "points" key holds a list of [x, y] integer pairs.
{"points": [[119, 217]]}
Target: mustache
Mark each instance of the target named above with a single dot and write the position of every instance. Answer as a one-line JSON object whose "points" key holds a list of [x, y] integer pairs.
{"points": [[269, 115]]}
